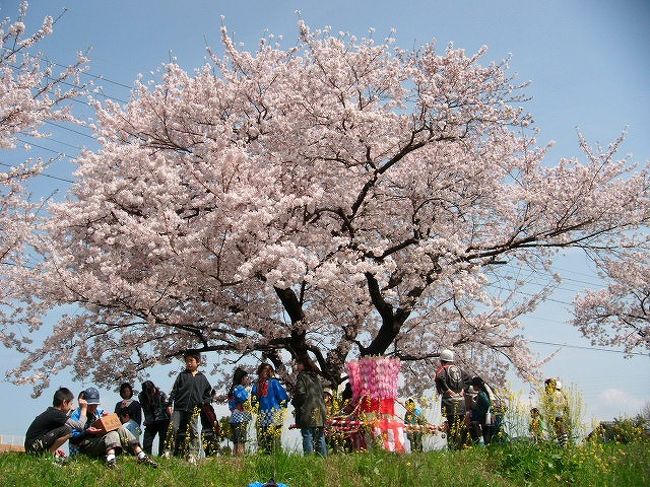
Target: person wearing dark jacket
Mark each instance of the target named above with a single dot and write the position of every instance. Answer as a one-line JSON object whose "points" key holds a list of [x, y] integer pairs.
{"points": [[156, 419], [52, 428], [190, 392], [451, 383], [480, 409], [310, 407]]}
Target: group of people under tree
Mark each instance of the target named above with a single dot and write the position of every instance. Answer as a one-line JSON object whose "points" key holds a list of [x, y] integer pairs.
{"points": [[554, 410], [174, 418], [472, 409], [473, 413]]}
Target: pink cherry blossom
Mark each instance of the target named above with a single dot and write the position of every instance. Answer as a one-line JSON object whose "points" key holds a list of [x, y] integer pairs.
{"points": [[31, 92], [343, 198], [620, 314]]}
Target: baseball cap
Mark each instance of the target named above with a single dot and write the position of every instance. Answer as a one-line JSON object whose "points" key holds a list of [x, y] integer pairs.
{"points": [[91, 395]]}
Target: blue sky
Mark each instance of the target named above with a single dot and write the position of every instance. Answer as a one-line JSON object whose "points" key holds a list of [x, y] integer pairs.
{"points": [[587, 61]]}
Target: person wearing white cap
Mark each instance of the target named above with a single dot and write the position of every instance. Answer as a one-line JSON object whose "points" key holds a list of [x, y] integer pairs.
{"points": [[451, 383], [556, 407]]}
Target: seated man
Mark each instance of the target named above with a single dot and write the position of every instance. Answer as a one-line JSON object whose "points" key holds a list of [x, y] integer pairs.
{"points": [[52, 428], [93, 442]]}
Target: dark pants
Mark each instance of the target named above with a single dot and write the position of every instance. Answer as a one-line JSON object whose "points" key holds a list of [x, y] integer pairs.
{"points": [[561, 431], [43, 443], [185, 435], [457, 434], [415, 439], [209, 437], [268, 438], [150, 431], [478, 430], [494, 431]]}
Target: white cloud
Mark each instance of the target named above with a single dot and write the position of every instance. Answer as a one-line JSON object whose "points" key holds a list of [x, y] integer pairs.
{"points": [[613, 402]]}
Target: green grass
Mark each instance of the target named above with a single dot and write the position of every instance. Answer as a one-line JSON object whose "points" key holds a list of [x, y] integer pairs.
{"points": [[509, 465]]}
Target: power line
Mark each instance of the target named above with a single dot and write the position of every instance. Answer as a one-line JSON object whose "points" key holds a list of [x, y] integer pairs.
{"points": [[588, 348], [69, 129], [86, 73], [588, 283], [534, 282], [529, 294], [45, 175], [44, 148], [54, 140], [67, 83]]}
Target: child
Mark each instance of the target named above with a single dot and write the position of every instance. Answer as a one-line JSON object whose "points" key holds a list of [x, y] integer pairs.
{"points": [[239, 416], [93, 442], [52, 428], [190, 392], [413, 416], [535, 426], [124, 413], [556, 409], [156, 419], [270, 399], [210, 429], [133, 409]]}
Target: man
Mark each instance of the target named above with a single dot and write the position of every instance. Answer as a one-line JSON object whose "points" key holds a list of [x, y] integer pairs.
{"points": [[94, 442], [451, 383]]}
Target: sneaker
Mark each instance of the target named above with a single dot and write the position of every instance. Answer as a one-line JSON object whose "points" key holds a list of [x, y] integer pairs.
{"points": [[112, 463], [59, 458], [147, 460], [59, 461]]}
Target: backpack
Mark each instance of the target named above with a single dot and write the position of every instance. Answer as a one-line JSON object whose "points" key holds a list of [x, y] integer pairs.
{"points": [[455, 379]]}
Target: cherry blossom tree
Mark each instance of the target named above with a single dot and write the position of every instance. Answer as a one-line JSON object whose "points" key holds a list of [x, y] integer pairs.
{"points": [[620, 314], [31, 92], [342, 198]]}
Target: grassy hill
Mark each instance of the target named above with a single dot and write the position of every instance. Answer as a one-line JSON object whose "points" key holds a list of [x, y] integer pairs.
{"points": [[510, 465]]}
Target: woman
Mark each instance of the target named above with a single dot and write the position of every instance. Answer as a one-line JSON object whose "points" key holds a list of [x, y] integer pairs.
{"points": [[480, 410], [239, 415], [156, 419], [310, 407], [269, 398]]}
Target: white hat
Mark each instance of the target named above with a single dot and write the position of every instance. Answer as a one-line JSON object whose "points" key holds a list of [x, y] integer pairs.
{"points": [[447, 355]]}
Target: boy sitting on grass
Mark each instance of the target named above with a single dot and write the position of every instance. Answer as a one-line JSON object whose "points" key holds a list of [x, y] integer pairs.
{"points": [[52, 428], [94, 442]]}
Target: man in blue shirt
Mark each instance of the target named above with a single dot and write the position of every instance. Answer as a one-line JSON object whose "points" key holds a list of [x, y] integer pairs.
{"points": [[94, 442]]}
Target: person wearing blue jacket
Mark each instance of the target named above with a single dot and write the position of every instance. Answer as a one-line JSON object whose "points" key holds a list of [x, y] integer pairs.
{"points": [[94, 442], [270, 400], [239, 415]]}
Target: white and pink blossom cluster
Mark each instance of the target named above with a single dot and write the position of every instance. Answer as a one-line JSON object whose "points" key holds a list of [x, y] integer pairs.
{"points": [[374, 377], [342, 197], [32, 92]]}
